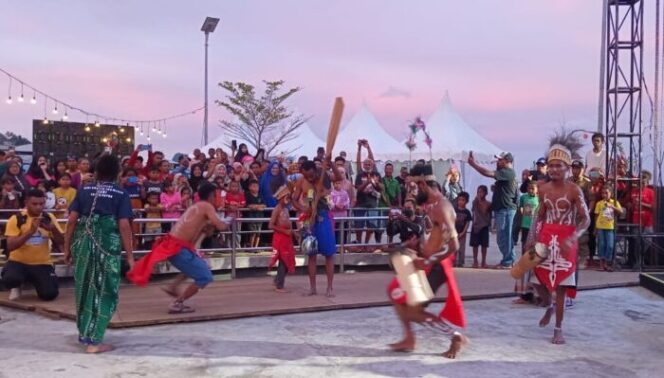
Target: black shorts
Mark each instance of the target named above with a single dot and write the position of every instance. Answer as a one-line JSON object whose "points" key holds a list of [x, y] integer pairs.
{"points": [[480, 238], [436, 277]]}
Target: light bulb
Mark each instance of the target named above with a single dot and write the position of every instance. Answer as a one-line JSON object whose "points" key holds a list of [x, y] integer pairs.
{"points": [[97, 124], [65, 116], [21, 99], [164, 135], [55, 110], [122, 129], [148, 138], [9, 100], [45, 121], [33, 100], [87, 128], [141, 131], [104, 140], [128, 140], [154, 127]]}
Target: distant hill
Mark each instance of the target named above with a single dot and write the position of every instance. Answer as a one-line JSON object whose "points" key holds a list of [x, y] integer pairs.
{"points": [[11, 139]]}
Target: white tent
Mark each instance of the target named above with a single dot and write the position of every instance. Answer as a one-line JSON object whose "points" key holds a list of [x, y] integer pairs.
{"points": [[452, 137], [305, 143], [364, 125]]}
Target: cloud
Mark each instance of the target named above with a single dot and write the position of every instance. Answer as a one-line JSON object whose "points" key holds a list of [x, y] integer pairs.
{"points": [[395, 92]]}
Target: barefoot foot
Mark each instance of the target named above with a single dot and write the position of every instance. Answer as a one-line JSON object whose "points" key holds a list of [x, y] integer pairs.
{"points": [[558, 338], [282, 290], [311, 292], [458, 341], [406, 345], [547, 317], [101, 348], [330, 293]]}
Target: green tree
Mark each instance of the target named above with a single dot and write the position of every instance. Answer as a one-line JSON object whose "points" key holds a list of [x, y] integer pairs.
{"points": [[263, 122]]}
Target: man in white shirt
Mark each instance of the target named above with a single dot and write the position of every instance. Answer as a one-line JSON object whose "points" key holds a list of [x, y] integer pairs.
{"points": [[596, 158]]}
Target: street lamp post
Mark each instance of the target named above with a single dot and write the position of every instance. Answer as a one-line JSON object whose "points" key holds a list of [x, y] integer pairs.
{"points": [[208, 27]]}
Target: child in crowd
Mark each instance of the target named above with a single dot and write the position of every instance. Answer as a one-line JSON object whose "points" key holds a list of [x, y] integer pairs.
{"points": [[463, 219], [340, 203], [171, 202], [256, 205], [153, 210], [64, 195], [479, 236], [46, 186], [10, 199], [528, 205], [185, 195], [282, 240], [153, 184], [133, 186], [234, 202], [606, 211]]}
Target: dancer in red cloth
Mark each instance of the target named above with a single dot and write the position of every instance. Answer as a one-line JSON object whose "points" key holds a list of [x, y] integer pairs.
{"points": [[282, 239], [561, 220], [178, 248], [437, 265]]}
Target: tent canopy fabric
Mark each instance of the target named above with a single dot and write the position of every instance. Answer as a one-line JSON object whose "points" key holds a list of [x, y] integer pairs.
{"points": [[364, 125], [305, 143]]}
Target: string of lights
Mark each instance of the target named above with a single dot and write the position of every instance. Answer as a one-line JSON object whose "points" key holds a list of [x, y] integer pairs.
{"points": [[154, 126]]}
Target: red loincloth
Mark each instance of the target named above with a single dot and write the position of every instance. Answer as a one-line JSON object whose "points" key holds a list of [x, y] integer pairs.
{"points": [[282, 248], [453, 309], [163, 248], [556, 268]]}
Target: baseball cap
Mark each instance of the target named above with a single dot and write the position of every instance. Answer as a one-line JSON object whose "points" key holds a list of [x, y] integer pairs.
{"points": [[505, 156], [577, 163], [541, 161]]}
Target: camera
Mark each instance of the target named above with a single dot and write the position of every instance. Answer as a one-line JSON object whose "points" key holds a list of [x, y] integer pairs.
{"points": [[132, 179]]}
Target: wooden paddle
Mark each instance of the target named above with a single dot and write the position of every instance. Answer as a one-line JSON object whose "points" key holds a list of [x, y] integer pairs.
{"points": [[332, 132], [335, 124]]}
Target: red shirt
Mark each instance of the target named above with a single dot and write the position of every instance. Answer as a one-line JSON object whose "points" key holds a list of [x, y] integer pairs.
{"points": [[647, 198], [235, 199]]}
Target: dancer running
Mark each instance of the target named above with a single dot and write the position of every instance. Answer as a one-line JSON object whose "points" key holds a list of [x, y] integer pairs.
{"points": [[438, 266], [178, 248], [561, 220]]}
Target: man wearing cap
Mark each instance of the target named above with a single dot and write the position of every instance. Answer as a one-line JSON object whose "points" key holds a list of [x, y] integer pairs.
{"points": [[539, 174], [584, 184], [503, 203]]}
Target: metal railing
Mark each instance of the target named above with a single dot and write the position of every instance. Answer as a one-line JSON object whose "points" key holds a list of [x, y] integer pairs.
{"points": [[233, 248]]}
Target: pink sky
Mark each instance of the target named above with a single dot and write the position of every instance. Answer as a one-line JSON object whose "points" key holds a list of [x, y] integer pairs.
{"points": [[514, 69]]}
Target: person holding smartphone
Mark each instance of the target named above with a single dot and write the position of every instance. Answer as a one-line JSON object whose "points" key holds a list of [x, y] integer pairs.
{"points": [[28, 235]]}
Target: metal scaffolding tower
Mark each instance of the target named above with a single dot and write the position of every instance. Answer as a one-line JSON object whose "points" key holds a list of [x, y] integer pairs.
{"points": [[624, 80]]}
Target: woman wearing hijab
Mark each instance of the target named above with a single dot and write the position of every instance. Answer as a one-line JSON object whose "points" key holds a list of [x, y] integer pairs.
{"points": [[196, 176], [20, 185], [270, 182]]}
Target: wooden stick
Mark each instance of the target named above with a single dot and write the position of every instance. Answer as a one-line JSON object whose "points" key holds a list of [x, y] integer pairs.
{"points": [[335, 124]]}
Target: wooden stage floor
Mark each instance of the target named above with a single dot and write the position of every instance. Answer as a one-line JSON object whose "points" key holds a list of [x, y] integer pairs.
{"points": [[255, 296]]}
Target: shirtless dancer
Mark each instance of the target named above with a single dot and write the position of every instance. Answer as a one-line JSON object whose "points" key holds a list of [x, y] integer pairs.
{"points": [[310, 195], [563, 214], [178, 248], [438, 267]]}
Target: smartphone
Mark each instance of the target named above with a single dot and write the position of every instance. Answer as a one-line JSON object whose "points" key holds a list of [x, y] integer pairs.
{"points": [[45, 219], [132, 179], [234, 144]]}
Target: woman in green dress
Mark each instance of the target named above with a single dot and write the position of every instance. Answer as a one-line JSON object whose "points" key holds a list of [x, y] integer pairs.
{"points": [[97, 229]]}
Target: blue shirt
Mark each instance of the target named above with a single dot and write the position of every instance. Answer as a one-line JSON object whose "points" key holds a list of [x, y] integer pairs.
{"points": [[112, 200]]}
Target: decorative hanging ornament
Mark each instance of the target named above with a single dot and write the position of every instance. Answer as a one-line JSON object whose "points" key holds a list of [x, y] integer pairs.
{"points": [[428, 139], [410, 143]]}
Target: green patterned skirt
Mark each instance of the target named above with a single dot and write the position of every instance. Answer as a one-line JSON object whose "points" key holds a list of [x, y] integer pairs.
{"points": [[96, 250]]}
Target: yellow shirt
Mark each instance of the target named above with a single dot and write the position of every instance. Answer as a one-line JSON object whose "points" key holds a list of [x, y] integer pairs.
{"points": [[606, 215], [64, 197], [37, 249]]}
